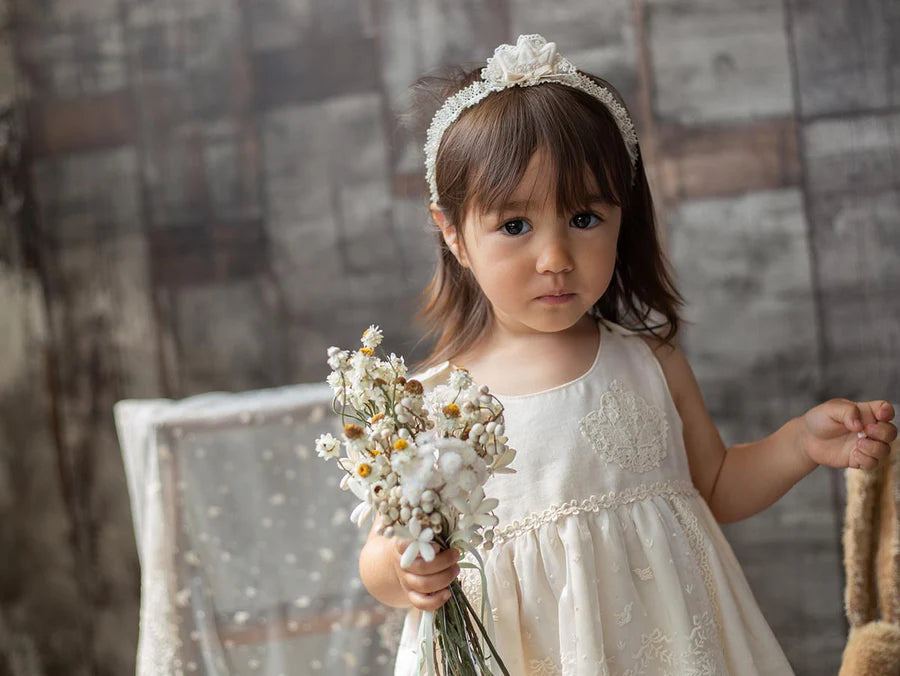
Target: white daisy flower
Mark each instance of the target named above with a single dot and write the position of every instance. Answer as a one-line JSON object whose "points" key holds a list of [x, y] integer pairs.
{"points": [[420, 545], [364, 509], [336, 381], [328, 447], [338, 359], [460, 379], [476, 510], [372, 337], [398, 364]]}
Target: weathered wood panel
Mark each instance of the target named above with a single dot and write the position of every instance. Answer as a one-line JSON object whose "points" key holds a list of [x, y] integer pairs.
{"points": [[847, 55], [854, 197], [719, 61]]}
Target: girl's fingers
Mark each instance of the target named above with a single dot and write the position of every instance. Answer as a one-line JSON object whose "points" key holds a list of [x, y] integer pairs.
{"points": [[851, 415], [862, 461], [440, 562], [869, 453], [881, 431], [429, 601], [882, 410], [427, 584]]}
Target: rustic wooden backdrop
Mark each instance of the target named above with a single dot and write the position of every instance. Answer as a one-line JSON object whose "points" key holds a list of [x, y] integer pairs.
{"points": [[210, 193]]}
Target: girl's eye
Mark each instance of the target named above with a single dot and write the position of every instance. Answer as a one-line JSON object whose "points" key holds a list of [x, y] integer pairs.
{"points": [[514, 227], [583, 221]]}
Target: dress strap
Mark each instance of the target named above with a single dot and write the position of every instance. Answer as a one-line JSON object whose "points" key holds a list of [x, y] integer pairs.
{"points": [[431, 372]]}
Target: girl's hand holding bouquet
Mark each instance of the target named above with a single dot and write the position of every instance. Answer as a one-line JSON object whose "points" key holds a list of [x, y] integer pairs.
{"points": [[420, 462], [426, 582]]}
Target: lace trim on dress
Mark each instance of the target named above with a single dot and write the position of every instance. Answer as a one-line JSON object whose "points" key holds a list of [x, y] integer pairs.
{"points": [[627, 430], [695, 536], [594, 503]]}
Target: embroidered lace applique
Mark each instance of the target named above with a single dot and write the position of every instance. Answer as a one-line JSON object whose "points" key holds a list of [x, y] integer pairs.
{"points": [[701, 657], [658, 654], [624, 617], [545, 667], [627, 430], [643, 573], [669, 488]]}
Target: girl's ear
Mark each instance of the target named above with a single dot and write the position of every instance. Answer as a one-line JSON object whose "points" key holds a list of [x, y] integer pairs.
{"points": [[451, 236]]}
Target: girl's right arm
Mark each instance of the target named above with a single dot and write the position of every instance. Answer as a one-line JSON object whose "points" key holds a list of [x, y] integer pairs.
{"points": [[424, 585]]}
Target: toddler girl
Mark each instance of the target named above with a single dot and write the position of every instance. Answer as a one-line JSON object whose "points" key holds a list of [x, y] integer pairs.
{"points": [[608, 557]]}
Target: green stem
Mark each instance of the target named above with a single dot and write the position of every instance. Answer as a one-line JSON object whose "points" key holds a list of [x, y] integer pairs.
{"points": [[484, 633]]}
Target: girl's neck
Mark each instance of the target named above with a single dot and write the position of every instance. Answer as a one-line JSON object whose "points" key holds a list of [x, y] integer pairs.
{"points": [[499, 339], [521, 363]]}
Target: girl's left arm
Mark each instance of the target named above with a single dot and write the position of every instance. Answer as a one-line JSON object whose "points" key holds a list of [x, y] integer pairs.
{"points": [[747, 478]]}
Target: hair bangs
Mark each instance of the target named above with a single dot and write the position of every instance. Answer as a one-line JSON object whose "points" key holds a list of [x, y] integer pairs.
{"points": [[575, 131]]}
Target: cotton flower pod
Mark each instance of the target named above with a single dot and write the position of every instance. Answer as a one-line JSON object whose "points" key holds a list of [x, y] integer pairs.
{"points": [[393, 513], [499, 430], [429, 496], [484, 399], [428, 507], [435, 518], [484, 389], [489, 428], [404, 513], [417, 512], [483, 439], [383, 507], [477, 430]]}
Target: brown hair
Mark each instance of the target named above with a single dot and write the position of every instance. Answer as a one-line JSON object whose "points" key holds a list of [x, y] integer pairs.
{"points": [[482, 158]]}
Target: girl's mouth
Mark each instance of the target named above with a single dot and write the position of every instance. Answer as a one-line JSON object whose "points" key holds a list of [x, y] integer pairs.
{"points": [[557, 300]]}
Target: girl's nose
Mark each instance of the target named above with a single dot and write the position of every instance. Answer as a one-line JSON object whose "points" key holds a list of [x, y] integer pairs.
{"points": [[555, 255]]}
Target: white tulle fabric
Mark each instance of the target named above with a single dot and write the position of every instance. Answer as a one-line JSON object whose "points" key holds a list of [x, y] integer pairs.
{"points": [[248, 555], [607, 559]]}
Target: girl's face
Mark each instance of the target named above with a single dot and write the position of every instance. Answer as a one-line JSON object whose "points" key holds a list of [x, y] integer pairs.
{"points": [[524, 254]]}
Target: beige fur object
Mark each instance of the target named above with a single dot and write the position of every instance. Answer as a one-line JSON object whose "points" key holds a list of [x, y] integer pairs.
{"points": [[872, 564]]}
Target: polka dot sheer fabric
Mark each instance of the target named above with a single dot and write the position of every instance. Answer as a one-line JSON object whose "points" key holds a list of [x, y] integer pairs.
{"points": [[248, 556]]}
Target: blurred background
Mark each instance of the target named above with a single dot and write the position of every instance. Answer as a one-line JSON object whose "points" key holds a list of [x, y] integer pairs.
{"points": [[204, 195]]}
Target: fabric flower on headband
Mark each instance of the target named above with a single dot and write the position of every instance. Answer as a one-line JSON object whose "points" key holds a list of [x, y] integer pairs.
{"points": [[531, 59]]}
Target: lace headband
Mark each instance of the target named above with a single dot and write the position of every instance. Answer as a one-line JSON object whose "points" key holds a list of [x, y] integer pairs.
{"points": [[532, 61]]}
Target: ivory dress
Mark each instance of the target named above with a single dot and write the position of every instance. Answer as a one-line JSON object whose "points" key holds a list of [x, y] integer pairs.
{"points": [[607, 560]]}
